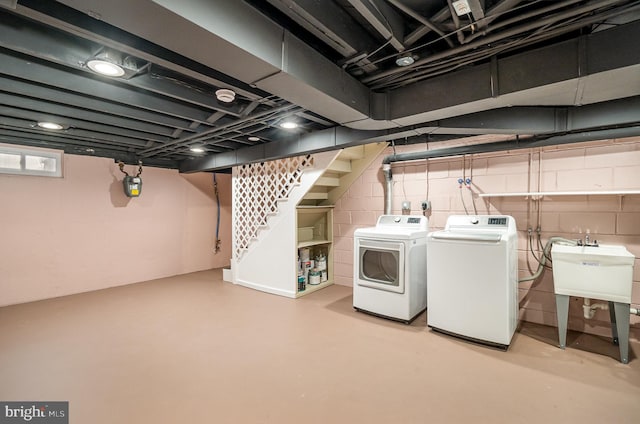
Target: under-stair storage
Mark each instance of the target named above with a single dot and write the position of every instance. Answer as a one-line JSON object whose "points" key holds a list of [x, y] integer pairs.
{"points": [[314, 248], [284, 209]]}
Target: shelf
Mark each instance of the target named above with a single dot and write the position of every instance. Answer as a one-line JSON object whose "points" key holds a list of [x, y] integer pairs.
{"points": [[312, 243], [312, 208], [561, 193], [311, 288]]}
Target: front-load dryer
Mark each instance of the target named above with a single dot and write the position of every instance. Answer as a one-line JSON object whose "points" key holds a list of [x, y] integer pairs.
{"points": [[390, 272]]}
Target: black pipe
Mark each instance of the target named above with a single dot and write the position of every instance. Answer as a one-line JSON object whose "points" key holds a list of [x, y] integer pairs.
{"points": [[528, 143]]}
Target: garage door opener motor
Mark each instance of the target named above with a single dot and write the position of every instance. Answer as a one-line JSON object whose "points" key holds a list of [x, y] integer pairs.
{"points": [[132, 185]]}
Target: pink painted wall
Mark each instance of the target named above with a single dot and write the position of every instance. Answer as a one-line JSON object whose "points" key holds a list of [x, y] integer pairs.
{"points": [[603, 165], [80, 233]]}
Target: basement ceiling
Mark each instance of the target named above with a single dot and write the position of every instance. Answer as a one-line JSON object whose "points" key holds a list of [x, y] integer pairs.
{"points": [[347, 71]]}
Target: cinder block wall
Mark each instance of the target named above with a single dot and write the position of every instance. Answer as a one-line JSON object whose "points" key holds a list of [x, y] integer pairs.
{"points": [[62, 236], [602, 165]]}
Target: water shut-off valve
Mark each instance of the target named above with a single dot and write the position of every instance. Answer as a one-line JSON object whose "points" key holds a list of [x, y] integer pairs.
{"points": [[466, 182]]}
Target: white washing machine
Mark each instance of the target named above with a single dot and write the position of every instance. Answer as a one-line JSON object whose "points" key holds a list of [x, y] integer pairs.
{"points": [[472, 269], [390, 272]]}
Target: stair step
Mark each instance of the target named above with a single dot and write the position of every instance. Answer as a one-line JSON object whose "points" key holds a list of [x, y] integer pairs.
{"points": [[315, 195], [328, 182], [352, 153], [340, 166]]}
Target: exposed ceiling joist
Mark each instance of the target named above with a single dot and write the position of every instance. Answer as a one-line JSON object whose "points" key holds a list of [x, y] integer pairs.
{"points": [[324, 63]]}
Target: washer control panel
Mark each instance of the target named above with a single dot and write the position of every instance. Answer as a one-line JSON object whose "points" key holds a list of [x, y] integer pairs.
{"points": [[480, 222]]}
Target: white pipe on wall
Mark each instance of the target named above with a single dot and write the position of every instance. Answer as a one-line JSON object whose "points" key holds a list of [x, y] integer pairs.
{"points": [[589, 310]]}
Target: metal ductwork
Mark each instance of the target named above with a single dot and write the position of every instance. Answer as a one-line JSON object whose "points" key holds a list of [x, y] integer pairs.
{"points": [[388, 188], [242, 42], [589, 120]]}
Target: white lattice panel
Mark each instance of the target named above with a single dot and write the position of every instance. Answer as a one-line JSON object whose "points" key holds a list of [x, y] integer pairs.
{"points": [[257, 188]]}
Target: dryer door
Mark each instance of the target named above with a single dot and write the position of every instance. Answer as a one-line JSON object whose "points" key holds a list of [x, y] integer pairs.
{"points": [[381, 264]]}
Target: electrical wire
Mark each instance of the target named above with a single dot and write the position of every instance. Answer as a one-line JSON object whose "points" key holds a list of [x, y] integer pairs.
{"points": [[450, 34], [215, 188], [473, 199], [355, 59], [402, 77]]}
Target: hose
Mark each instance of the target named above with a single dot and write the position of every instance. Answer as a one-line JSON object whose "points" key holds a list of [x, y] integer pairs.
{"points": [[463, 204], [545, 252], [533, 253]]}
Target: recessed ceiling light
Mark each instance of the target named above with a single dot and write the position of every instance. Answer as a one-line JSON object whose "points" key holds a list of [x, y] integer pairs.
{"points": [[197, 149], [225, 95], [103, 67], [253, 138], [289, 125], [50, 125], [405, 60]]}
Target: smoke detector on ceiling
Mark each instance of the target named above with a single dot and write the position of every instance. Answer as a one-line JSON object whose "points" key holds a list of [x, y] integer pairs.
{"points": [[225, 95]]}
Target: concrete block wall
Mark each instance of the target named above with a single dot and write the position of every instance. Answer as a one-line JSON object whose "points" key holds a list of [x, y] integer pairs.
{"points": [[601, 165], [80, 233]]}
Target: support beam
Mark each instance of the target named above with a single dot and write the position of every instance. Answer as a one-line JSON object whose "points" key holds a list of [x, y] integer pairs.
{"points": [[383, 19]]}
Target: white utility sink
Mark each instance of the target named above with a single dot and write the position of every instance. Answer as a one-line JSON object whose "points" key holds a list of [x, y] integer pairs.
{"points": [[604, 272]]}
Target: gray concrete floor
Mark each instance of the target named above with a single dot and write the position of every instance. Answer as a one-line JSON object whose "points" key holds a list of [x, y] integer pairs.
{"points": [[194, 349]]}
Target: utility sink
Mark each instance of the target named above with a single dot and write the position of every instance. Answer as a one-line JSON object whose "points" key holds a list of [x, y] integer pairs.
{"points": [[600, 272]]}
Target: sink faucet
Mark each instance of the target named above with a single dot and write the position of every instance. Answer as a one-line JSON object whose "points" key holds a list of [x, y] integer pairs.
{"points": [[587, 241]]}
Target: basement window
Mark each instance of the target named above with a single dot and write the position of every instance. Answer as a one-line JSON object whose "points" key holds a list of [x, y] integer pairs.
{"points": [[26, 161]]}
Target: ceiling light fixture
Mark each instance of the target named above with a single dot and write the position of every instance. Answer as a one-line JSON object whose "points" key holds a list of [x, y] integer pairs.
{"points": [[405, 60], [289, 125], [253, 138], [104, 67], [225, 95], [197, 149], [50, 125]]}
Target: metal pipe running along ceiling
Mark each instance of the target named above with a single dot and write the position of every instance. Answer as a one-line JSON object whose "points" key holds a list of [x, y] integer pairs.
{"points": [[528, 143]]}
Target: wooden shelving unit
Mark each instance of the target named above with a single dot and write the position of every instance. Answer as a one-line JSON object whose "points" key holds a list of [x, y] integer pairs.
{"points": [[317, 220]]}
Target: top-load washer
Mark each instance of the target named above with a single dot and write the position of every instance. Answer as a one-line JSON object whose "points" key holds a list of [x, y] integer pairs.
{"points": [[472, 269], [390, 275]]}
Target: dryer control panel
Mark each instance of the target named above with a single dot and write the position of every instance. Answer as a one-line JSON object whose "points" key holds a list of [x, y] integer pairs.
{"points": [[417, 222]]}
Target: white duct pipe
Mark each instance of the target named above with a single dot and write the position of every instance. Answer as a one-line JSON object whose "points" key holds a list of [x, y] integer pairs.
{"points": [[388, 190], [589, 310], [635, 311]]}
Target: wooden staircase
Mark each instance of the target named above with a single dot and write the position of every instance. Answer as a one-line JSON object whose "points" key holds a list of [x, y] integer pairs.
{"points": [[341, 173]]}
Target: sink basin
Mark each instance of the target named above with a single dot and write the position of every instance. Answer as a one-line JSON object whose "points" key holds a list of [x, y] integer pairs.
{"points": [[604, 272]]}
